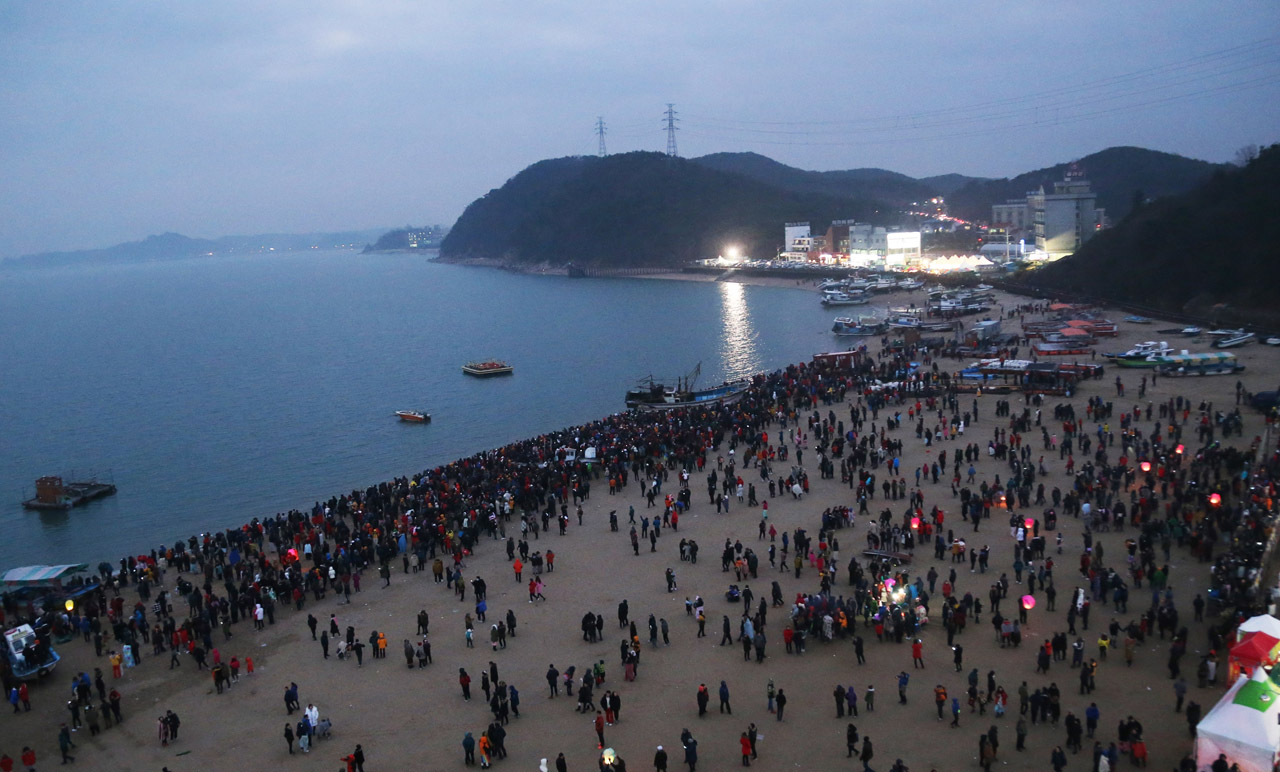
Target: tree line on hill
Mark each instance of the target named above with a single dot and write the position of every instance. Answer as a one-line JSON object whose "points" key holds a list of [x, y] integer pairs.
{"points": [[1209, 252]]}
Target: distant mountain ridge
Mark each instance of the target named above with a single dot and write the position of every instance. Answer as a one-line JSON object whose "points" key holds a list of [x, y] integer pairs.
{"points": [[867, 183], [1115, 174], [175, 246], [1210, 252]]}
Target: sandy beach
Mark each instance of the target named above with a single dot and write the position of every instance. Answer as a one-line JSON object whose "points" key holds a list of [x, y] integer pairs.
{"points": [[416, 718]]}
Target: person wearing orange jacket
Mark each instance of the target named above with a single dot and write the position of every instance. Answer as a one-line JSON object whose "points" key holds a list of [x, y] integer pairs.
{"points": [[486, 746]]}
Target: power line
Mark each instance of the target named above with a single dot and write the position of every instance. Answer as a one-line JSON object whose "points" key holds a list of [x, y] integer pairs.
{"points": [[1222, 58], [600, 130], [1056, 119]]}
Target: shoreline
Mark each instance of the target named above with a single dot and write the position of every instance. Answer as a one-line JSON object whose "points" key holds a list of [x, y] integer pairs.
{"points": [[598, 569]]}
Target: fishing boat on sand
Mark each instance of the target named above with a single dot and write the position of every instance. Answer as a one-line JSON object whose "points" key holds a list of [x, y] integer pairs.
{"points": [[862, 326], [487, 368], [1140, 355], [1213, 363], [1232, 341], [651, 394]]}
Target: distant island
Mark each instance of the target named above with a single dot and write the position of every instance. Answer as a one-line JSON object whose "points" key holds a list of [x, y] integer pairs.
{"points": [[175, 246], [651, 210], [410, 238]]}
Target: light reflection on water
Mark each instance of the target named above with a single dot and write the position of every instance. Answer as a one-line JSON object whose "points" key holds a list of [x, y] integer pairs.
{"points": [[738, 351]]}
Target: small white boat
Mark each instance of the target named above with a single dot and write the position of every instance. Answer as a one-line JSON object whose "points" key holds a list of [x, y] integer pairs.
{"points": [[1273, 341], [1234, 340], [1225, 332], [1191, 332], [1137, 320], [844, 299], [413, 416]]}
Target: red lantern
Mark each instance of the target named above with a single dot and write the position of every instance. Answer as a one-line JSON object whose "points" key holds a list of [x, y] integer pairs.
{"points": [[1029, 522], [915, 523], [1028, 602], [1179, 450], [1215, 499], [1146, 466]]}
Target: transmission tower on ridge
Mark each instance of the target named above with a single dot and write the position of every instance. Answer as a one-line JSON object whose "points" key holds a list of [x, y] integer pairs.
{"points": [[600, 133], [671, 131]]}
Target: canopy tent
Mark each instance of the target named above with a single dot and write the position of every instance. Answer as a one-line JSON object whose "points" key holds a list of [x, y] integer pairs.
{"points": [[41, 576], [1254, 650], [1264, 623], [1243, 726]]}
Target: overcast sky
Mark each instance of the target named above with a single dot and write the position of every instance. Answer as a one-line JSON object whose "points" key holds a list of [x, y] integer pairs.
{"points": [[120, 120]]}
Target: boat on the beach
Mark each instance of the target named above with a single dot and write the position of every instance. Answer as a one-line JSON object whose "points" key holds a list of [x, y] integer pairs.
{"points": [[413, 416], [844, 299], [1272, 341], [650, 394], [1137, 320], [1140, 355], [863, 325], [1213, 363], [1191, 332], [52, 494], [487, 368], [30, 655], [1233, 341], [910, 285]]}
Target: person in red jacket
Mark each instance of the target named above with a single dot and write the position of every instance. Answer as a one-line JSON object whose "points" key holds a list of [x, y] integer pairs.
{"points": [[599, 729], [917, 654], [746, 749], [28, 759]]}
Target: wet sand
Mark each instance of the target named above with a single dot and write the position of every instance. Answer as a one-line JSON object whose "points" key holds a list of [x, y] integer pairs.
{"points": [[416, 718]]}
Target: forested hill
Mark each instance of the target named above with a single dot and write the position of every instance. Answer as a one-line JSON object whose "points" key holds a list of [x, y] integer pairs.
{"points": [[871, 184], [1118, 175], [636, 209], [1216, 244]]}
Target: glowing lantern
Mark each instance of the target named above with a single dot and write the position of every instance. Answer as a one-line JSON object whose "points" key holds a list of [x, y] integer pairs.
{"points": [[1028, 602], [1146, 466], [889, 583], [1029, 522], [1179, 450], [915, 523], [1215, 499], [70, 605]]}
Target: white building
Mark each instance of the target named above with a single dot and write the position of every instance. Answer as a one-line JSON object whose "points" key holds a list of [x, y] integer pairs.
{"points": [[1065, 218], [1060, 220], [797, 237]]}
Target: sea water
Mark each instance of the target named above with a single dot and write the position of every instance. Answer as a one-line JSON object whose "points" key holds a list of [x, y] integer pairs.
{"points": [[215, 390]]}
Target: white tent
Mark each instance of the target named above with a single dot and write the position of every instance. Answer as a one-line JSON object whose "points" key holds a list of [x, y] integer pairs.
{"points": [[1263, 623], [1243, 725]]}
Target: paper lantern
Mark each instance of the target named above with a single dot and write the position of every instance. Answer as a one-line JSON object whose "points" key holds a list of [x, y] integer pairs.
{"points": [[1029, 522], [1028, 602], [1215, 499], [70, 605], [1179, 450], [915, 523], [1146, 466]]}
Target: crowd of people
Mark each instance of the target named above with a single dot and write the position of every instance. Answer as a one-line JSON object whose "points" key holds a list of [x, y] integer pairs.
{"points": [[1132, 468]]}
